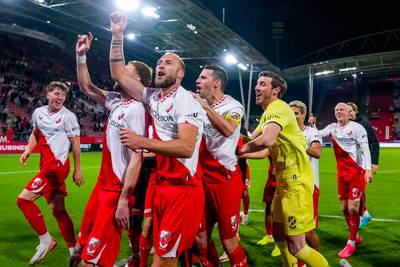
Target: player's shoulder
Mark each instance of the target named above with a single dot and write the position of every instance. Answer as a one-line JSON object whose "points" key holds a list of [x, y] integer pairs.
{"points": [[232, 101], [41, 109], [357, 126], [65, 111]]}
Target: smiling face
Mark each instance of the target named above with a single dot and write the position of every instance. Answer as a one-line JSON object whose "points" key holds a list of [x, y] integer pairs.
{"points": [[169, 71], [342, 113], [56, 99], [265, 94]]}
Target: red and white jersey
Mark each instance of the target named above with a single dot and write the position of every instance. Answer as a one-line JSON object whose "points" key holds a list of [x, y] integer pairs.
{"points": [[52, 132], [218, 152], [167, 113], [115, 157], [350, 143], [312, 135]]}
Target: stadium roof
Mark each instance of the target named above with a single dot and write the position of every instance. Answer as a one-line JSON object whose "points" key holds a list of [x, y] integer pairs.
{"points": [[368, 55], [183, 26]]}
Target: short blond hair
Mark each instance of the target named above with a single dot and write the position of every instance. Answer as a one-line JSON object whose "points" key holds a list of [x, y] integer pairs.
{"points": [[57, 85], [300, 105], [353, 106]]}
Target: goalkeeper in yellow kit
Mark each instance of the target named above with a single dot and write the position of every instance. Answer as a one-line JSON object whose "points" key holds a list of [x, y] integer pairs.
{"points": [[293, 203]]}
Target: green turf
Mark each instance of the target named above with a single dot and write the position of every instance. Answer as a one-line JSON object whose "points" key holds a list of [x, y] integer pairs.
{"points": [[380, 248]]}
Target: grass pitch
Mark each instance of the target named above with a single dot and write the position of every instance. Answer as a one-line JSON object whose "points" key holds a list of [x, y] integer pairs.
{"points": [[381, 246]]}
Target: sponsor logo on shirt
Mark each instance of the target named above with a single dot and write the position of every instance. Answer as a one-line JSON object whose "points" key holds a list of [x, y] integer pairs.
{"points": [[159, 117], [94, 244], [165, 237], [273, 116], [116, 124]]}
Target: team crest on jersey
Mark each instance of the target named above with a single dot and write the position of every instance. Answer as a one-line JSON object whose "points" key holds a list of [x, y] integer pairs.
{"points": [[58, 120], [354, 192], [120, 116], [94, 244], [234, 222], [37, 182], [350, 133], [165, 237], [292, 222]]}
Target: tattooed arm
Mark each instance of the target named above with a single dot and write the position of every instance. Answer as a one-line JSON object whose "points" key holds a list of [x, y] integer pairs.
{"points": [[119, 73]]}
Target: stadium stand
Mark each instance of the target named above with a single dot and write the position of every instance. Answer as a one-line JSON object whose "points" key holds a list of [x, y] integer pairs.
{"points": [[24, 72]]}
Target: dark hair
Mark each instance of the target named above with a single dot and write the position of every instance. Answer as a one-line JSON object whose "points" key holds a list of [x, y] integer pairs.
{"points": [[144, 72], [277, 81], [219, 73], [57, 85]]}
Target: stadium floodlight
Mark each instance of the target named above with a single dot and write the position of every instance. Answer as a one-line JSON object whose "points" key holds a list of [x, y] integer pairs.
{"points": [[242, 66], [347, 69], [48, 22], [131, 36], [230, 59], [127, 5], [40, 1], [325, 72], [150, 11]]}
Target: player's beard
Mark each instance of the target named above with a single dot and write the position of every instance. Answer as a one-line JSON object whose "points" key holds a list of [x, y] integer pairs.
{"points": [[169, 81]]}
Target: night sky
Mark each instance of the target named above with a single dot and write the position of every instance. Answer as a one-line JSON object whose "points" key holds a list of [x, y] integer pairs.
{"points": [[309, 25]]}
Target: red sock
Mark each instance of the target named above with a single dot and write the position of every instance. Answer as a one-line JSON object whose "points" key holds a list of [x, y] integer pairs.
{"points": [[300, 263], [213, 254], [246, 204], [66, 227], [268, 226], [33, 215], [238, 257], [145, 245], [354, 223], [347, 217]]}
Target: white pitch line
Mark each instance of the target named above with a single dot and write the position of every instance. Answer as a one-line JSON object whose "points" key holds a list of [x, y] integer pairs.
{"points": [[37, 170], [341, 217]]}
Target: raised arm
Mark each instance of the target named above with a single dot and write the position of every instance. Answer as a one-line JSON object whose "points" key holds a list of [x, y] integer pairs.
{"points": [[182, 147], [29, 148], [85, 83], [131, 179], [119, 74]]}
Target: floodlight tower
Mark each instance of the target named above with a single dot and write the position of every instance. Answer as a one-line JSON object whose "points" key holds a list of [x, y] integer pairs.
{"points": [[278, 29]]}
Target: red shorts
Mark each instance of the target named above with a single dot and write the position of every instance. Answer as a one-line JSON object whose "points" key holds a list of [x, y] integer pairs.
{"points": [[89, 215], [222, 205], [177, 212], [103, 242], [353, 188], [315, 204], [269, 189], [148, 203], [50, 180]]}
